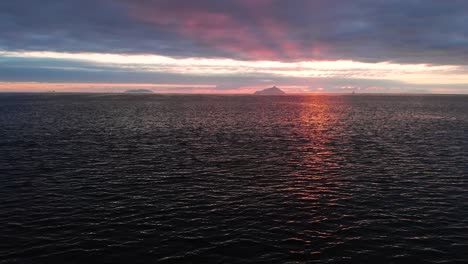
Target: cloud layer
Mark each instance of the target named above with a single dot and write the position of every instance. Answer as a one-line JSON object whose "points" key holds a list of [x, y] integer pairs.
{"points": [[231, 43], [410, 31]]}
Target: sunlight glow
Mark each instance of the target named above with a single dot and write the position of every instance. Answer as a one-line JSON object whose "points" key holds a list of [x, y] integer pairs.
{"points": [[409, 73], [102, 87]]}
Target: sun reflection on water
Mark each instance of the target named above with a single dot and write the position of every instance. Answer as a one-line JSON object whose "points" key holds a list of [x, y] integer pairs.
{"points": [[316, 160]]}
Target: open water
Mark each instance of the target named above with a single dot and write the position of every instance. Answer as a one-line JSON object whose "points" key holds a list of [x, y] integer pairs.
{"points": [[131, 178]]}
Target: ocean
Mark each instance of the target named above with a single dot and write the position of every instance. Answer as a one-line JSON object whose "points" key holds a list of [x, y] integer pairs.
{"points": [[147, 178]]}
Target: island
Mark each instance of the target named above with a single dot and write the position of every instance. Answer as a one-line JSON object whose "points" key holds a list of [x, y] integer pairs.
{"points": [[139, 91], [270, 91]]}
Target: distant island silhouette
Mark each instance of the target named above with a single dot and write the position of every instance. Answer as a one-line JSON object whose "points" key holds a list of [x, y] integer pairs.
{"points": [[270, 91], [139, 91]]}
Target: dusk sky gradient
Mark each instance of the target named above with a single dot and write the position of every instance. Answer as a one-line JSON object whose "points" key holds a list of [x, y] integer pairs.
{"points": [[236, 46]]}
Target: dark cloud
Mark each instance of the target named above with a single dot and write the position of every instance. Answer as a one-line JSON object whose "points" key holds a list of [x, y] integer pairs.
{"points": [[410, 31]]}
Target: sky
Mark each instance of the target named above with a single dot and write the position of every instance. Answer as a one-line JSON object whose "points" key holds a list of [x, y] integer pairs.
{"points": [[234, 46]]}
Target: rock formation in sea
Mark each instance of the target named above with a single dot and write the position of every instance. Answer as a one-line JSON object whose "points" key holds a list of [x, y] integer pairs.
{"points": [[270, 91]]}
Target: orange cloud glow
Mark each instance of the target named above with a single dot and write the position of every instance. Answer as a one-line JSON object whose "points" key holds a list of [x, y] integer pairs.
{"points": [[407, 73], [103, 87]]}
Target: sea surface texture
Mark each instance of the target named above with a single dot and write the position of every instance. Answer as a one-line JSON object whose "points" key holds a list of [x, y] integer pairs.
{"points": [[133, 178]]}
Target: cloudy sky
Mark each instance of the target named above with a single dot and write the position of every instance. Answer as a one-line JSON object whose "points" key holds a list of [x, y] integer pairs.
{"points": [[234, 46]]}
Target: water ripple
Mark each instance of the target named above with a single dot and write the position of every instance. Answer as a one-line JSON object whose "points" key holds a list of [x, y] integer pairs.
{"points": [[236, 179]]}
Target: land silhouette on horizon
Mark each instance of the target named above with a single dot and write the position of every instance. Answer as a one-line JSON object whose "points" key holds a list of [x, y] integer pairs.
{"points": [[270, 91], [139, 91]]}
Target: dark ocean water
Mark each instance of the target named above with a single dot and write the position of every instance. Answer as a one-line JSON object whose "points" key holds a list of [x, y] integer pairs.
{"points": [[94, 178]]}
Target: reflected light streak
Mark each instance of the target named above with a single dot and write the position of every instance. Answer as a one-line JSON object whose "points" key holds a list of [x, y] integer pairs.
{"points": [[317, 125]]}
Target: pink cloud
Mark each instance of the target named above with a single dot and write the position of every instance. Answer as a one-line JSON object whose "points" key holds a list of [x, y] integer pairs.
{"points": [[276, 31], [263, 37], [216, 29]]}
